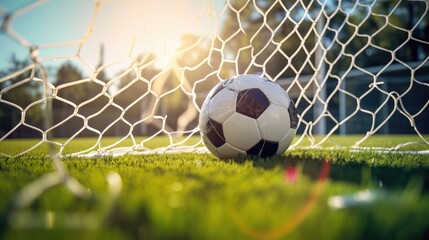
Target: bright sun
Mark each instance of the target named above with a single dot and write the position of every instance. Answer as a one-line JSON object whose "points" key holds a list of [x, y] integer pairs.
{"points": [[135, 27]]}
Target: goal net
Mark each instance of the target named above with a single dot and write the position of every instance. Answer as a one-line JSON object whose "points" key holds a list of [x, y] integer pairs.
{"points": [[119, 77]]}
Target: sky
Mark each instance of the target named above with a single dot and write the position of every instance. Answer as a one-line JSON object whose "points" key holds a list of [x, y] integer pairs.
{"points": [[122, 26]]}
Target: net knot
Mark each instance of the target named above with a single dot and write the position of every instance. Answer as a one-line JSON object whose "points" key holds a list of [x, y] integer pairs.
{"points": [[374, 84], [34, 54]]}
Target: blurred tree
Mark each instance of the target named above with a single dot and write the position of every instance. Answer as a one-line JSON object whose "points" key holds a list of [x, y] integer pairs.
{"points": [[84, 93], [371, 37], [199, 63], [190, 64], [68, 73], [25, 92], [101, 75], [80, 92], [261, 36], [274, 35], [134, 83]]}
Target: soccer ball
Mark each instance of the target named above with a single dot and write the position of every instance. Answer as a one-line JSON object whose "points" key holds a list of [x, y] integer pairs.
{"points": [[247, 115]]}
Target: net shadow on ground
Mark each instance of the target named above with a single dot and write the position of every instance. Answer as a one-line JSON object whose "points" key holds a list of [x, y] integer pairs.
{"points": [[389, 178]]}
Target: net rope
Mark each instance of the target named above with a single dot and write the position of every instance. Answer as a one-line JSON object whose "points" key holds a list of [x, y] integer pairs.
{"points": [[352, 67]]}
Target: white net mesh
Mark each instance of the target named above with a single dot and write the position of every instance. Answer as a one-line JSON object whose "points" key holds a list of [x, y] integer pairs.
{"points": [[119, 77]]}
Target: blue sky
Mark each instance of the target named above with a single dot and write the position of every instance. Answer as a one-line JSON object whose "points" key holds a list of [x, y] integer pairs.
{"points": [[48, 23], [118, 25]]}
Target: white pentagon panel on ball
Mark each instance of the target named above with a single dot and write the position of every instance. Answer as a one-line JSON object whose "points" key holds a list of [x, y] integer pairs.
{"points": [[204, 115], [209, 145], [243, 82], [276, 94], [274, 123], [228, 151], [219, 86], [241, 131], [272, 90], [222, 105], [286, 141]]}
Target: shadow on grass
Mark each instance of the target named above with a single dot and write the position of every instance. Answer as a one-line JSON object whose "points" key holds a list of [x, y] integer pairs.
{"points": [[357, 173]]}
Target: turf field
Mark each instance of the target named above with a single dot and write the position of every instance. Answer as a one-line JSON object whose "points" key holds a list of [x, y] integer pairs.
{"points": [[304, 194]]}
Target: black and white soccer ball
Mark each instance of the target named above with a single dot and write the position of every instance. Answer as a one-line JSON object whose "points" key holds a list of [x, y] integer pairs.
{"points": [[247, 115]]}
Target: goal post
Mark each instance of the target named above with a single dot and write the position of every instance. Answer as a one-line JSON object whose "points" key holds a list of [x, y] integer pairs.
{"points": [[356, 68]]}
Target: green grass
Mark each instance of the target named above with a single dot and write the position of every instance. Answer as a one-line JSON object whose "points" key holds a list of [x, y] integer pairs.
{"points": [[14, 147], [197, 196]]}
